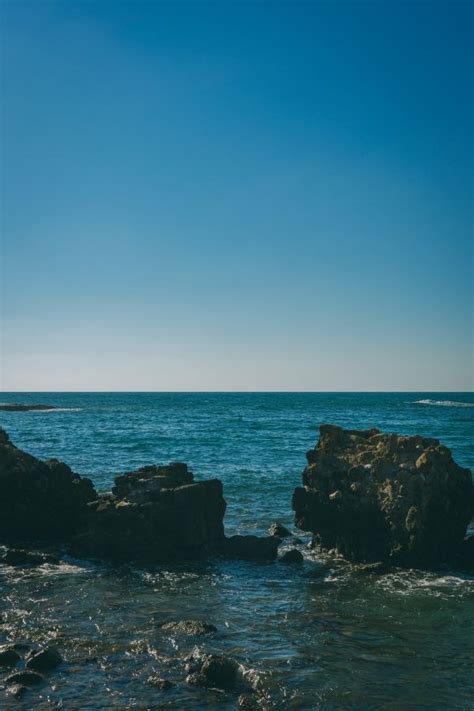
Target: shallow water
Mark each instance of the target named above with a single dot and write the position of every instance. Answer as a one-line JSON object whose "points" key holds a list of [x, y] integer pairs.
{"points": [[316, 637]]}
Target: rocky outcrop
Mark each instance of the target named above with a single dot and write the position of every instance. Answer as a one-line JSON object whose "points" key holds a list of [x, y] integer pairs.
{"points": [[39, 500], [17, 407], [384, 497], [155, 514]]}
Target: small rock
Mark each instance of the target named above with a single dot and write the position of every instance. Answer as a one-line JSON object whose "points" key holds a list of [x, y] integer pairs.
{"points": [[219, 671], [195, 628], [8, 656], [18, 556], [26, 677], [17, 690], [44, 660], [162, 684], [292, 556], [278, 530]]}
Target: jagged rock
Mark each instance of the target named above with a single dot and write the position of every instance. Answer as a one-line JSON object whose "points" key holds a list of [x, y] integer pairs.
{"points": [[20, 556], [17, 407], [194, 628], [153, 517], [292, 556], [277, 529], [143, 484], [384, 497], [161, 684], [247, 701], [9, 657], [465, 556], [44, 659], [249, 547], [38, 500], [212, 670], [25, 678]]}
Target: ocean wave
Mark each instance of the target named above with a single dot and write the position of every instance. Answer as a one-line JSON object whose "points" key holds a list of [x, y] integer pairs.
{"points": [[444, 403]]}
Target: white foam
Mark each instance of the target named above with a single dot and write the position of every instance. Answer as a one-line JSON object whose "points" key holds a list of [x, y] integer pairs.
{"points": [[444, 403]]}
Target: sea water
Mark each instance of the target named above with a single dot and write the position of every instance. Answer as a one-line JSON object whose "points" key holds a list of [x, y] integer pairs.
{"points": [[317, 636]]}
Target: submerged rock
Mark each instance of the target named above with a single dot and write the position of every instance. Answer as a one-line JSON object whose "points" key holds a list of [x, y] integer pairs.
{"points": [[25, 678], [249, 547], [9, 657], [158, 683], [384, 497], [195, 628], [38, 500], [292, 556], [213, 670], [277, 529], [44, 659]]}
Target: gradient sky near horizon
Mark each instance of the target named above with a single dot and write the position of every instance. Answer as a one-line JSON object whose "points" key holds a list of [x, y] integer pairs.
{"points": [[237, 196]]}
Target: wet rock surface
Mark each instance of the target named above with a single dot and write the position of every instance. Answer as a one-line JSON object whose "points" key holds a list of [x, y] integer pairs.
{"points": [[292, 556], [43, 660], [377, 497], [277, 529], [195, 628]]}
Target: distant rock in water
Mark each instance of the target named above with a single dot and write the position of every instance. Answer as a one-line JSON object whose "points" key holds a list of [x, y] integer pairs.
{"points": [[39, 500], [17, 407], [384, 497]]}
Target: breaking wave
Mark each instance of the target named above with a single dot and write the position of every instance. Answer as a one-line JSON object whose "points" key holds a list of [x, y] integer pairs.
{"points": [[444, 403]]}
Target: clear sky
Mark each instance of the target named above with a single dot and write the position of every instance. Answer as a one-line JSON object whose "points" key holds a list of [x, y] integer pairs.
{"points": [[237, 195]]}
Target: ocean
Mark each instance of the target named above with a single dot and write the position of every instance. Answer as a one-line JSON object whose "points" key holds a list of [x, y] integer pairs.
{"points": [[317, 636]]}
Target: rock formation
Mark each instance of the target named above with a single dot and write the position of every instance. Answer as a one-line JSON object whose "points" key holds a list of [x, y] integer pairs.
{"points": [[384, 497], [39, 500], [155, 514], [18, 407]]}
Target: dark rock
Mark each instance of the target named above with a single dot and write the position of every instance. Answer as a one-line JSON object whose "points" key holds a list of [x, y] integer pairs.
{"points": [[44, 660], [277, 529], [194, 628], [377, 568], [249, 547], [217, 671], [292, 556], [38, 500], [143, 484], [25, 677], [158, 683], [153, 523], [17, 407], [383, 497], [247, 701], [465, 555], [16, 691], [19, 556], [8, 656]]}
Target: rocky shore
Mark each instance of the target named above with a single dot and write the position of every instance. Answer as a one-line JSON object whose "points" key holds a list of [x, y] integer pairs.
{"points": [[375, 497], [153, 515]]}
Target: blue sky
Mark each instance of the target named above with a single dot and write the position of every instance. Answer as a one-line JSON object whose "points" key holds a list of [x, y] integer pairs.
{"points": [[237, 196]]}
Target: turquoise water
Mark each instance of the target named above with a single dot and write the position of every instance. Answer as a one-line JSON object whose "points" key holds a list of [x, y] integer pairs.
{"points": [[319, 637]]}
